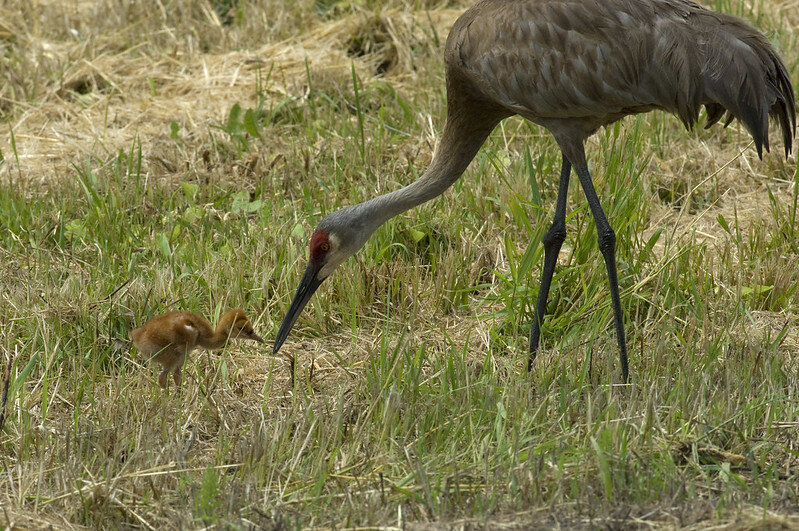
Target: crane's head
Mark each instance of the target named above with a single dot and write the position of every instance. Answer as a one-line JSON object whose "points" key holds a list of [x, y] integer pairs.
{"points": [[235, 324], [337, 237]]}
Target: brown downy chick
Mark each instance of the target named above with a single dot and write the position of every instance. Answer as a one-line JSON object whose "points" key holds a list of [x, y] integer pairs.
{"points": [[169, 338]]}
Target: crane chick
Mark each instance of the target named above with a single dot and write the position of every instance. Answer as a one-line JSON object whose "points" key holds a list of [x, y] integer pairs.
{"points": [[170, 337]]}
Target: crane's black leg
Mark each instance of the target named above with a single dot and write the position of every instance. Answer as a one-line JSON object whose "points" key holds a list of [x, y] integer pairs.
{"points": [[607, 246], [553, 240]]}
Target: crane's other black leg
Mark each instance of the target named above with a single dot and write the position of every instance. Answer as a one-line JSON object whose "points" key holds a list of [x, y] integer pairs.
{"points": [[607, 246], [553, 241]]}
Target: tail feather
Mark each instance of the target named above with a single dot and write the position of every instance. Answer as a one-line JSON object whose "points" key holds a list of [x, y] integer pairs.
{"points": [[745, 77], [714, 113], [786, 112], [729, 119]]}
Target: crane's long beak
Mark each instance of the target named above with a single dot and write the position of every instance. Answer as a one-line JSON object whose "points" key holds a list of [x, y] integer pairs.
{"points": [[310, 281]]}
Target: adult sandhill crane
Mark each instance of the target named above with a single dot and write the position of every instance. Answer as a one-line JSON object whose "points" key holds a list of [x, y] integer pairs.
{"points": [[571, 67]]}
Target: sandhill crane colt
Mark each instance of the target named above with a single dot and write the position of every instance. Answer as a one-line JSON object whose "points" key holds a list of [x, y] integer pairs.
{"points": [[571, 67], [170, 337]]}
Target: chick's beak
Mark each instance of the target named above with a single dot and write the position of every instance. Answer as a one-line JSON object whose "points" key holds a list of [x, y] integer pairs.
{"points": [[308, 285], [255, 337]]}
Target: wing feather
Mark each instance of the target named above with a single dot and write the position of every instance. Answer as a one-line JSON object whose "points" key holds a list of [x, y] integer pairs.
{"points": [[581, 65]]}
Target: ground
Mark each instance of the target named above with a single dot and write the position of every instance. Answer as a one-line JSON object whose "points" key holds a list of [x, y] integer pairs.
{"points": [[161, 156]]}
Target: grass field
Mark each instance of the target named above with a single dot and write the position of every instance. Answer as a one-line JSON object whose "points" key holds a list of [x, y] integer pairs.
{"points": [[161, 156]]}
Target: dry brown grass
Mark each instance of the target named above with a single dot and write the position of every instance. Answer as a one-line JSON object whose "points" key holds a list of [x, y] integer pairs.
{"points": [[85, 81], [92, 94]]}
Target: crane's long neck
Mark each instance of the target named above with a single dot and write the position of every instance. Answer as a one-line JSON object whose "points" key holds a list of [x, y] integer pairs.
{"points": [[463, 135], [214, 339]]}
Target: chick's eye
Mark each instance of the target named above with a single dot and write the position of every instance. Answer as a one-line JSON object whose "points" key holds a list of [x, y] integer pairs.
{"points": [[325, 247]]}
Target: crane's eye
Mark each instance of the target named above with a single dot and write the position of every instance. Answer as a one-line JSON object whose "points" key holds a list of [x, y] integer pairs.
{"points": [[325, 247]]}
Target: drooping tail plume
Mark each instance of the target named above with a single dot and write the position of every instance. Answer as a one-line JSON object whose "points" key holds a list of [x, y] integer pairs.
{"points": [[744, 76]]}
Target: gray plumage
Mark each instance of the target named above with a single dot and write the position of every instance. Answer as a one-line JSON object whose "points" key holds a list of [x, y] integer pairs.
{"points": [[572, 67], [575, 66]]}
